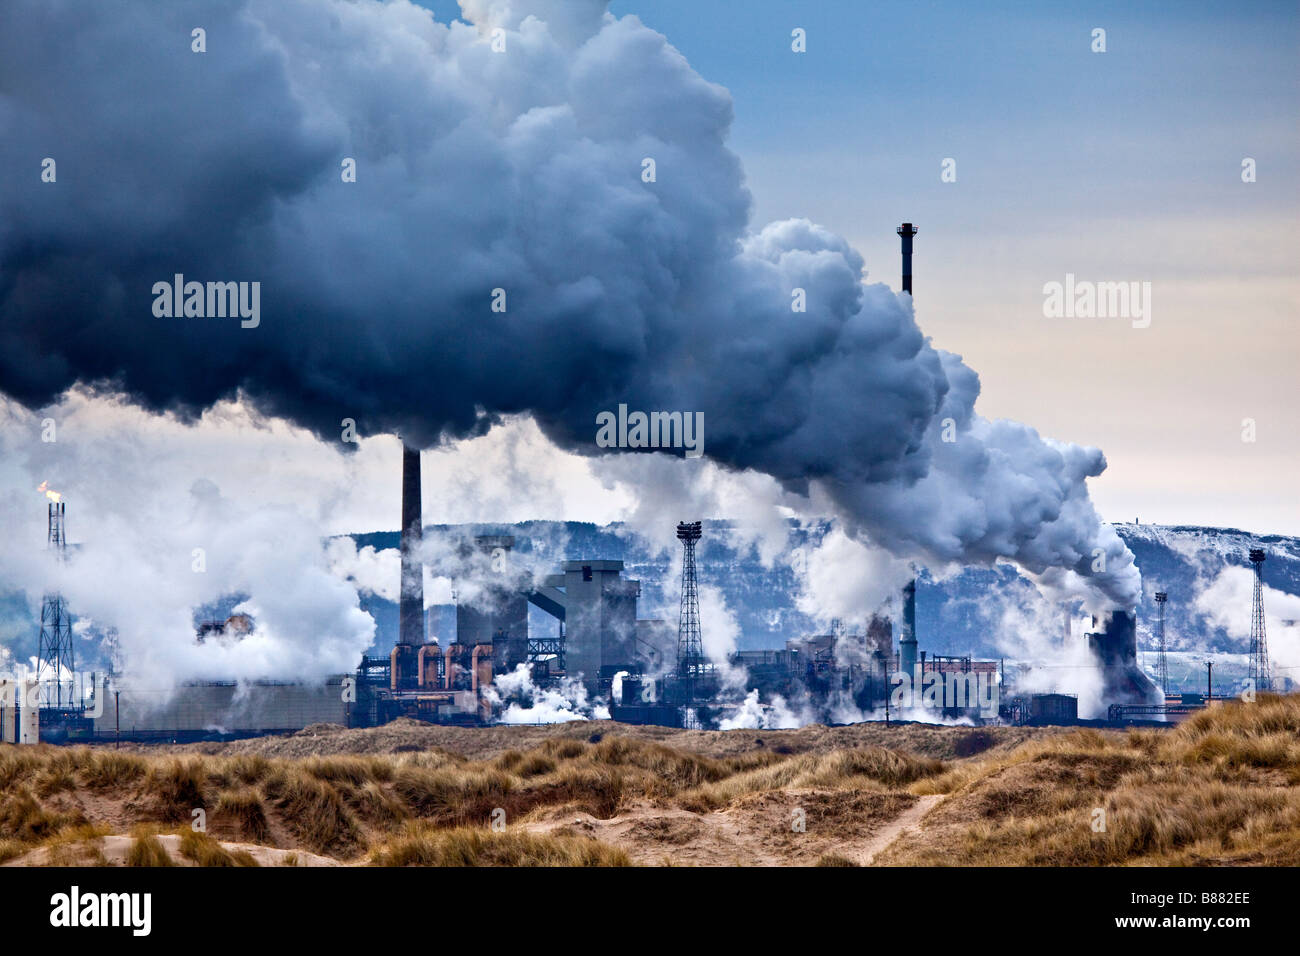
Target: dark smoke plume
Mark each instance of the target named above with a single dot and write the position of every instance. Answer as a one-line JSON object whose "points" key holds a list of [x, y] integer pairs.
{"points": [[477, 169]]}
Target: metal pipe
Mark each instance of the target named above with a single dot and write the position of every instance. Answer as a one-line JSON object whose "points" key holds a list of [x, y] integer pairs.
{"points": [[473, 666]]}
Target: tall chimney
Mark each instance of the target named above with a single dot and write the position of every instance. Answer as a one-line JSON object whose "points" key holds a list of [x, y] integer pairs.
{"points": [[411, 611], [907, 231], [907, 634]]}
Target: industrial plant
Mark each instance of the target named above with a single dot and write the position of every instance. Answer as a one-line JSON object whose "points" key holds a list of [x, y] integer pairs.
{"points": [[640, 671]]}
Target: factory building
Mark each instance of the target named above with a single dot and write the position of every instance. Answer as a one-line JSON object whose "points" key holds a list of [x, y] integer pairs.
{"points": [[621, 659], [624, 660], [204, 708], [1047, 709], [597, 606], [499, 614]]}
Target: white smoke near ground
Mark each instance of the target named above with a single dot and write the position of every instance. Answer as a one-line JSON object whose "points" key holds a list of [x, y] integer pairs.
{"points": [[720, 633], [779, 714], [152, 539], [616, 687], [521, 701], [774, 715], [1028, 629]]}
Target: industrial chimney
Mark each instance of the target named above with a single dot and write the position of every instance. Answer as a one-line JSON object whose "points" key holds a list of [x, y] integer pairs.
{"points": [[907, 634], [907, 231], [410, 628]]}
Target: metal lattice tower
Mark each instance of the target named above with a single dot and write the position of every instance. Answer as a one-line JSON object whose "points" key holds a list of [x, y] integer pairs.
{"points": [[1162, 662], [55, 650], [691, 662], [1260, 672]]}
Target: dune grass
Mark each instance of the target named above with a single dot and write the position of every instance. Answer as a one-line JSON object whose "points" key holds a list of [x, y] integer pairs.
{"points": [[242, 812], [146, 850], [422, 845], [1220, 788], [204, 850]]}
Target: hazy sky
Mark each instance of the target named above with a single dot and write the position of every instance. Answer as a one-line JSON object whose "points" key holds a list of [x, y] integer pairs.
{"points": [[1115, 166], [1122, 166]]}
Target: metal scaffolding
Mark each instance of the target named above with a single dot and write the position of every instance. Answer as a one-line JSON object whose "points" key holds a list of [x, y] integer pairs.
{"points": [[1260, 672], [691, 662], [54, 652], [1162, 661]]}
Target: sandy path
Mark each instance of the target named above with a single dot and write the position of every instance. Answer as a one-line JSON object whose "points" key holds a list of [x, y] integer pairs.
{"points": [[906, 822], [754, 831]]}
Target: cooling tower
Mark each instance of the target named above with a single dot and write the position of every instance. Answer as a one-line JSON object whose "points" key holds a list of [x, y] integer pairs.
{"points": [[1113, 642]]}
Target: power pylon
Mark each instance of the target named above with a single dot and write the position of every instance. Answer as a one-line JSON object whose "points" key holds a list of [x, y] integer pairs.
{"points": [[54, 653], [691, 662], [1162, 661]]}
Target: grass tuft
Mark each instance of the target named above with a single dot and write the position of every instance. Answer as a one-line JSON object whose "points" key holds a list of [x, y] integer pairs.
{"points": [[206, 851], [464, 846]]}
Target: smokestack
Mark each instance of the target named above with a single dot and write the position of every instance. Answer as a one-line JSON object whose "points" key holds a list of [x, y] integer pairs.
{"points": [[907, 634], [907, 231], [411, 612]]}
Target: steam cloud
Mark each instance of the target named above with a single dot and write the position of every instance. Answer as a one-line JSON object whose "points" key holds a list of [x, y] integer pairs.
{"points": [[479, 170]]}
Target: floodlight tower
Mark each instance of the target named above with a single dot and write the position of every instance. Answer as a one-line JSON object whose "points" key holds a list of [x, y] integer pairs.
{"points": [[691, 662], [1259, 669], [54, 651], [1162, 662]]}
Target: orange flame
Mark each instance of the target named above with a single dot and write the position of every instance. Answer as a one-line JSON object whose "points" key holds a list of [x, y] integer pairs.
{"points": [[52, 495]]}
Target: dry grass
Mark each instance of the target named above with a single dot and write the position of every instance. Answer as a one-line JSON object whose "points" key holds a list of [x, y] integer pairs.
{"points": [[465, 846], [241, 812], [107, 769], [147, 851], [76, 846], [867, 768], [24, 818], [315, 812], [1223, 788], [1219, 789], [176, 789], [206, 851]]}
